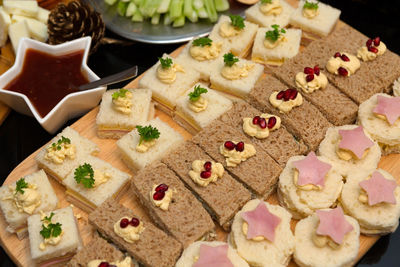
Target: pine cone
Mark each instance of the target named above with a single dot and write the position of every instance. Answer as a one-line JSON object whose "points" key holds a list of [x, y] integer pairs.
{"points": [[75, 20]]}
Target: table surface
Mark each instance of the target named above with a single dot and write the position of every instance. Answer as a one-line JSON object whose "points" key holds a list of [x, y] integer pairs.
{"points": [[21, 135]]}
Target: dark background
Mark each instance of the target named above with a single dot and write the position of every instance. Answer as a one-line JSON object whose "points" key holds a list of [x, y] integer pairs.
{"points": [[21, 135]]}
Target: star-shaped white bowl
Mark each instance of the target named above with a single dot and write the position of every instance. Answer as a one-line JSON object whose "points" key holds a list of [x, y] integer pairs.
{"points": [[70, 106]]}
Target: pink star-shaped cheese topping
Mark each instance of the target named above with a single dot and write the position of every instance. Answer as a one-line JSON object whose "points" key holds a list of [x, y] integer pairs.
{"points": [[388, 107], [311, 170], [379, 189], [355, 140], [333, 224], [261, 222], [213, 256]]}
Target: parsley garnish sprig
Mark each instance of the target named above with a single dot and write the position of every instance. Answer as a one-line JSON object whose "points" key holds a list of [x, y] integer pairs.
{"points": [[84, 174], [266, 1], [52, 230], [202, 41], [274, 34], [147, 133], [230, 59], [310, 5], [20, 185], [62, 140], [48, 218], [195, 95], [237, 21], [120, 93], [166, 63]]}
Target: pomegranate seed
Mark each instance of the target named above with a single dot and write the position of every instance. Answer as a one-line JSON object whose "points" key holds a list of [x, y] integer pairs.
{"points": [[159, 195], [207, 166], [316, 70], [162, 188], [373, 49], [256, 119], [286, 95], [240, 146], [104, 264], [124, 223], [262, 123], [377, 41], [345, 58], [369, 42], [343, 71], [309, 77], [293, 94], [271, 122], [134, 222], [337, 54], [229, 145], [205, 174], [279, 96], [308, 70]]}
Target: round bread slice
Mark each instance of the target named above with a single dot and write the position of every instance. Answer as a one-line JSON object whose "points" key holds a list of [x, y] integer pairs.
{"points": [[302, 203], [307, 254], [387, 136], [264, 253], [191, 253], [382, 218], [329, 145]]}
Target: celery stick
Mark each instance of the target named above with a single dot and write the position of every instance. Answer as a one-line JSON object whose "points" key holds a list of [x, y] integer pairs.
{"points": [[167, 19], [193, 17], [202, 13], [137, 16], [121, 8], [221, 5], [164, 6], [187, 8], [197, 4], [155, 19], [110, 2], [175, 9], [150, 7], [179, 22], [138, 2], [131, 9], [211, 11], [125, 1]]}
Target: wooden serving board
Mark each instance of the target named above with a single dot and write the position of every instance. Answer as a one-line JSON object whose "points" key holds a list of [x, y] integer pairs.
{"points": [[19, 250]]}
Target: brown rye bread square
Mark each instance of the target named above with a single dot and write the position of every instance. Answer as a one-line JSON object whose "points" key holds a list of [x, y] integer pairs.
{"points": [[97, 249], [185, 219], [223, 199], [305, 122], [258, 173], [335, 105], [154, 248], [280, 144]]}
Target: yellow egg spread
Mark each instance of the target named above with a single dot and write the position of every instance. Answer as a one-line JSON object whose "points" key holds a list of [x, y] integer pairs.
{"points": [[25, 202], [273, 8], [310, 13], [123, 104], [127, 262], [258, 132], [323, 240], [236, 71], [100, 177], [168, 75], [234, 157], [163, 203], [198, 105], [334, 63], [145, 145], [365, 55], [319, 82], [130, 233], [347, 155], [245, 228], [227, 30], [285, 106], [217, 171], [207, 52], [272, 44], [52, 241], [59, 155]]}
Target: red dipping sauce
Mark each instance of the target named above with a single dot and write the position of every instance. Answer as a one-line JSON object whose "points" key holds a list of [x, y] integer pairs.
{"points": [[46, 79]]}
